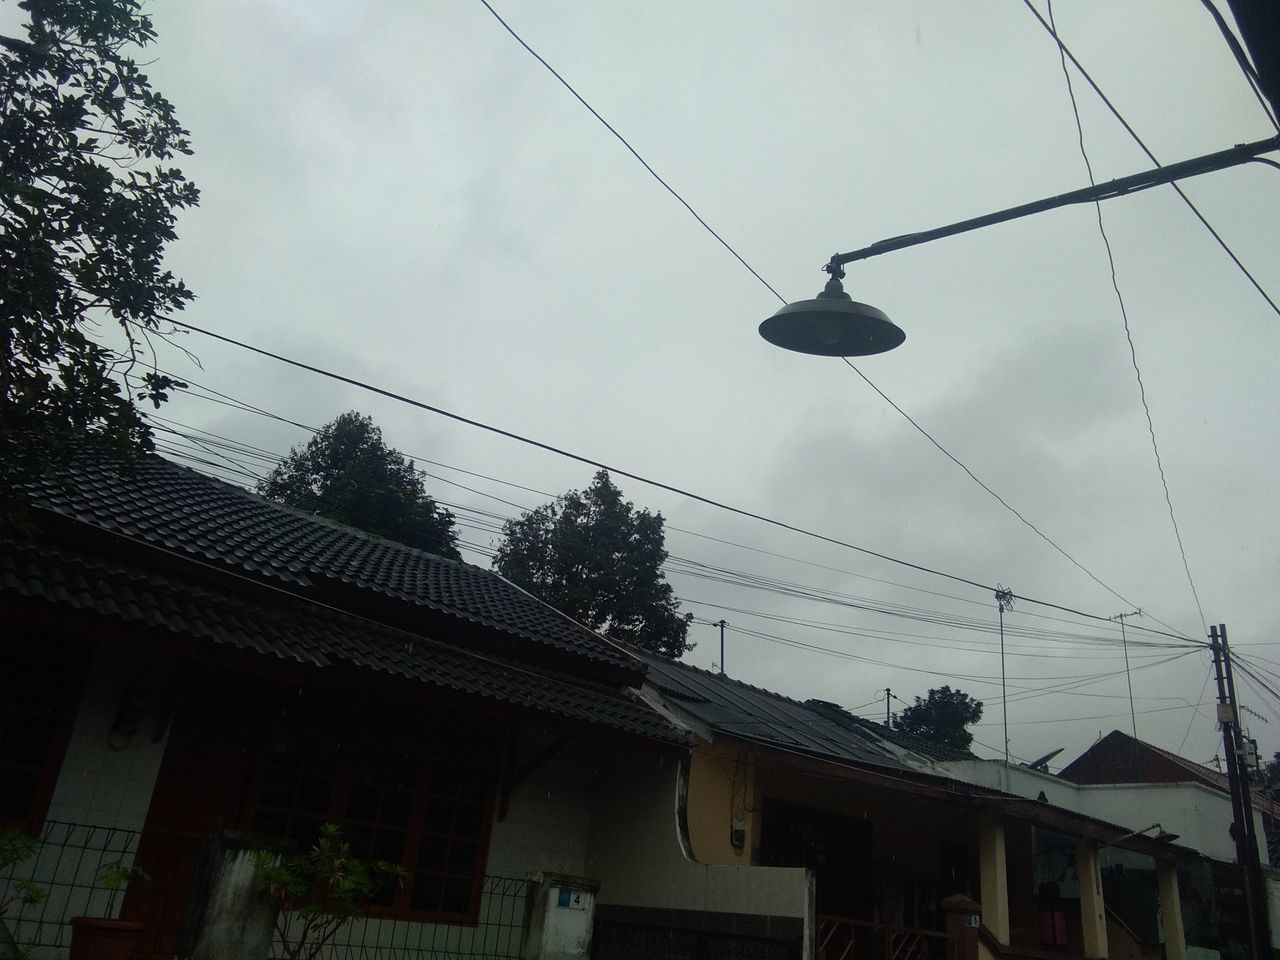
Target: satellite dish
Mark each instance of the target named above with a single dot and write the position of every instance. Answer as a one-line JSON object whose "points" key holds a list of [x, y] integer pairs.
{"points": [[1042, 764]]}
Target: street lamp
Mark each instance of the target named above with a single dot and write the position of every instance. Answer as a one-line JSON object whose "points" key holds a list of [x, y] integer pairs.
{"points": [[1161, 836], [832, 324], [835, 325]]}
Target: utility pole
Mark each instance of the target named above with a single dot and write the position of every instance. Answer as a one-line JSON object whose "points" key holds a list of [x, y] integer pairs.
{"points": [[887, 695], [1004, 601], [721, 624], [1133, 715], [1242, 830]]}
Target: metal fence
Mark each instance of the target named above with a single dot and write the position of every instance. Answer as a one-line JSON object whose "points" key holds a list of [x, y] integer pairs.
{"points": [[84, 870], [498, 932], [839, 938]]}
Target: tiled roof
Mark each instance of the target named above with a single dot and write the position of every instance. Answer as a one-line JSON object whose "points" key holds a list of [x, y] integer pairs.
{"points": [[299, 630], [738, 709], [178, 509]]}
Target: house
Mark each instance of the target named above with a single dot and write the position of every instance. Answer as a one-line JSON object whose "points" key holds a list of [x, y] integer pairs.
{"points": [[1193, 800], [889, 832], [1119, 758], [191, 673]]}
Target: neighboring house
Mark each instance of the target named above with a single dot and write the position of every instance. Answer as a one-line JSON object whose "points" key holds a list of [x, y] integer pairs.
{"points": [[1119, 758], [1192, 800], [889, 833], [1198, 815], [191, 672]]}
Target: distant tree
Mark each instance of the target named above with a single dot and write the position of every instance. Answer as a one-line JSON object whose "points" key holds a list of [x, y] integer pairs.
{"points": [[87, 205], [597, 558], [347, 473], [942, 717]]}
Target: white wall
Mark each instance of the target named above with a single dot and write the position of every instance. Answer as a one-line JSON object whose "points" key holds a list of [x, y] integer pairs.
{"points": [[546, 826], [99, 802], [1200, 816], [107, 779]]}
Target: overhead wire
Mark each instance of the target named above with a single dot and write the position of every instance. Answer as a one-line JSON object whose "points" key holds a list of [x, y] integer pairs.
{"points": [[1001, 500], [529, 49], [623, 140], [1267, 697], [1242, 61], [640, 478], [1066, 686], [491, 523], [1275, 307], [1191, 720], [1124, 313], [732, 576]]}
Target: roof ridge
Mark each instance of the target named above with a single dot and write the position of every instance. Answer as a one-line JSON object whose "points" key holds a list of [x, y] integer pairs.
{"points": [[337, 526]]}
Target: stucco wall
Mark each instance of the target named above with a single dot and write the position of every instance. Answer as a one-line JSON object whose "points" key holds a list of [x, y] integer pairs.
{"points": [[721, 791]]}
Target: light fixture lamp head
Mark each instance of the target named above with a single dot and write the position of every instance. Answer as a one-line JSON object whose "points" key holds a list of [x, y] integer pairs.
{"points": [[833, 324]]}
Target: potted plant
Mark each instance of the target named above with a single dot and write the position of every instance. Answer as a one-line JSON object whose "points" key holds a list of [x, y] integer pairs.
{"points": [[318, 892], [105, 937]]}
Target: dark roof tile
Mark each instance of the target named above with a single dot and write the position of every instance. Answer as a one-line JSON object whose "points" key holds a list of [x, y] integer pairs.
{"points": [[293, 628], [179, 509]]}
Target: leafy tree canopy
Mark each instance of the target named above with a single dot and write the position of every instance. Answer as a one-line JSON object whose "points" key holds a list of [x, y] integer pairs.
{"points": [[597, 558], [347, 473], [942, 717], [87, 205]]}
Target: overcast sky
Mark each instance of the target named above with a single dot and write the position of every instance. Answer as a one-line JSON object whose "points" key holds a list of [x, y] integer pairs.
{"points": [[399, 192]]}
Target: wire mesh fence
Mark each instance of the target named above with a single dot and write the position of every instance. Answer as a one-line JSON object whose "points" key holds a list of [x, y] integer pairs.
{"points": [[85, 870], [498, 932]]}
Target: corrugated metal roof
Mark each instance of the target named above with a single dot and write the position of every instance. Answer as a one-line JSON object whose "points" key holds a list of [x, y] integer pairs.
{"points": [[739, 709]]}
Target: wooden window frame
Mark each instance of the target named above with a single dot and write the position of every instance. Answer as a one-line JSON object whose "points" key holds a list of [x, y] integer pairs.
{"points": [[360, 732]]}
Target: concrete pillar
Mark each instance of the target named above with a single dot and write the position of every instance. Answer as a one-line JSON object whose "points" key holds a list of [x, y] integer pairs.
{"points": [[993, 875], [1175, 937], [561, 917], [237, 919], [1093, 911], [963, 917]]}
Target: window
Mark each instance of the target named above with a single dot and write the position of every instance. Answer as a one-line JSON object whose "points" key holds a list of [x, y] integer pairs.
{"points": [[413, 785], [40, 687]]}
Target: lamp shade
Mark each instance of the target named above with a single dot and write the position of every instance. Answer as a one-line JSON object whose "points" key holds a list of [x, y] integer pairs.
{"points": [[832, 325]]}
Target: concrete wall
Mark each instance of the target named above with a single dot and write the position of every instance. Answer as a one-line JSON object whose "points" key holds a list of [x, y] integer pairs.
{"points": [[1199, 815], [637, 856]]}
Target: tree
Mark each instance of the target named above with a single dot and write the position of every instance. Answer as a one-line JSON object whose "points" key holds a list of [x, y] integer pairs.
{"points": [[597, 558], [942, 717], [86, 208], [347, 473]]}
